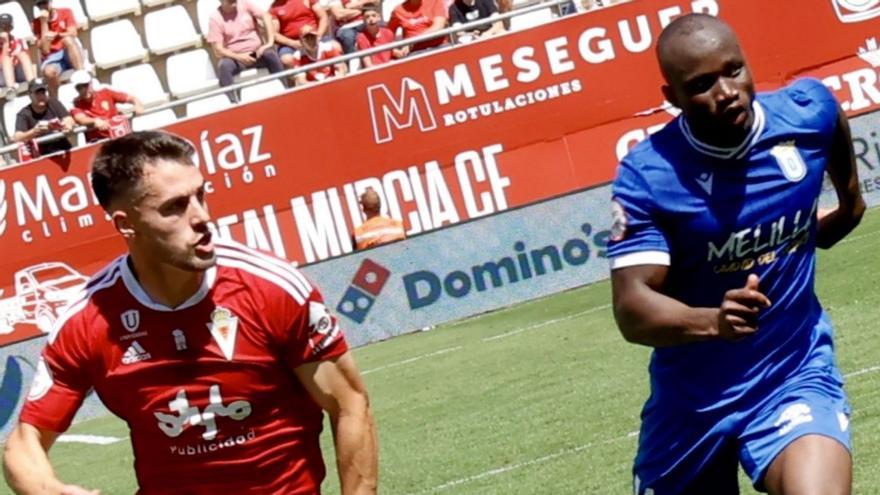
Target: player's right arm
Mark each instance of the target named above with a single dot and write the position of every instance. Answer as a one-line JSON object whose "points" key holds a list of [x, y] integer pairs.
{"points": [[640, 263], [61, 382], [26, 464]]}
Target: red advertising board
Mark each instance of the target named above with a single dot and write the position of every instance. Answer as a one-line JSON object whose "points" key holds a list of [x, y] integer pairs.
{"points": [[447, 137]]}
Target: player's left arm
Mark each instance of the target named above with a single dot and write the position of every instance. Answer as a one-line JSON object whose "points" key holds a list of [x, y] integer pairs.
{"points": [[336, 385], [835, 224]]}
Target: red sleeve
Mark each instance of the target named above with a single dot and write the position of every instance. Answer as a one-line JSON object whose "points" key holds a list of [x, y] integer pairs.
{"points": [[119, 96], [314, 333], [67, 14], [394, 22], [61, 381], [438, 9]]}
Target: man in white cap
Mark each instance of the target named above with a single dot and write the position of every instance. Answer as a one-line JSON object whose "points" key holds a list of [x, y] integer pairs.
{"points": [[96, 107]]}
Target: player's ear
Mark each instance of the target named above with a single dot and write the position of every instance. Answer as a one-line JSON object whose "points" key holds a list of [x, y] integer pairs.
{"points": [[122, 223], [669, 94]]}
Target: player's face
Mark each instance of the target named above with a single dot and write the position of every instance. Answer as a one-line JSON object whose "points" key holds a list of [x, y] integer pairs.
{"points": [[714, 89], [170, 217]]}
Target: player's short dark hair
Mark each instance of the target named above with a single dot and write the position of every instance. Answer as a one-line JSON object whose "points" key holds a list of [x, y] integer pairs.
{"points": [[119, 164], [370, 8]]}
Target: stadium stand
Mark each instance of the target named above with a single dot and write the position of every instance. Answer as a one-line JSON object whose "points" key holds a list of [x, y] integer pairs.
{"points": [[156, 50]]}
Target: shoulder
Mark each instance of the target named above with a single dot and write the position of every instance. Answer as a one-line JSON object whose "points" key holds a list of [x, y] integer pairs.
{"points": [[805, 102], [77, 318], [266, 275]]}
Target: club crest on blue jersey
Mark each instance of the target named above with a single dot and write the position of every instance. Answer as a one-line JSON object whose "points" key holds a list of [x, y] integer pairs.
{"points": [[618, 221], [790, 161]]}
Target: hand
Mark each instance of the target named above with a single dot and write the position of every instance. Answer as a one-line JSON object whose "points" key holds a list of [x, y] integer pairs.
{"points": [[102, 125], [66, 126], [42, 127], [245, 58], [400, 52], [261, 50], [78, 490], [44, 15], [738, 317]]}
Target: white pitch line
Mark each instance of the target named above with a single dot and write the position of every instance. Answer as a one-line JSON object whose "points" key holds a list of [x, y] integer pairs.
{"points": [[545, 323], [862, 372], [519, 465], [858, 237], [91, 439], [412, 360]]}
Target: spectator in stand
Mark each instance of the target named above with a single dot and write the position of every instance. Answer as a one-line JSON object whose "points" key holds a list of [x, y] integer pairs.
{"points": [[465, 11], [377, 229], [95, 106], [289, 17], [235, 39], [373, 35], [15, 57], [418, 17], [45, 114], [313, 50], [56, 32], [349, 16]]}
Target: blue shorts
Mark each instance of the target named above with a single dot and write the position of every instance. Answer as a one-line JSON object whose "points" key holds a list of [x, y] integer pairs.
{"points": [[59, 59], [696, 452]]}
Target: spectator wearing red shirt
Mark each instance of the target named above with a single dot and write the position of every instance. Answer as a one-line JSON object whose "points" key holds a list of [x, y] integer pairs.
{"points": [[96, 106], [56, 32], [417, 17], [289, 17], [349, 16], [313, 51], [14, 56], [236, 42], [373, 35]]}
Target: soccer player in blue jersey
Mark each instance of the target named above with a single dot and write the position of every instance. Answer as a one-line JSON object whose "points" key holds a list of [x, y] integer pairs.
{"points": [[713, 265]]}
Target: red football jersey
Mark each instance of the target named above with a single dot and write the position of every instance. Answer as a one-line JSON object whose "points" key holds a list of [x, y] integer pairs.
{"points": [[292, 15], [416, 20], [326, 51], [60, 21], [207, 388], [102, 105]]}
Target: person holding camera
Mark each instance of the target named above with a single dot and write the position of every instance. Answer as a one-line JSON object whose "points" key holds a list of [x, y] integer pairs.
{"points": [[44, 115], [233, 32]]}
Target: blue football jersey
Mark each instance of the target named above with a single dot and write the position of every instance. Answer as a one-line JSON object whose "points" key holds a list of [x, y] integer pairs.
{"points": [[714, 216]]}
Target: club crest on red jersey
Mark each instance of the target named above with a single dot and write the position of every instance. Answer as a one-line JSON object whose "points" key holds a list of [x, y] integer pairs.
{"points": [[131, 320], [223, 327]]}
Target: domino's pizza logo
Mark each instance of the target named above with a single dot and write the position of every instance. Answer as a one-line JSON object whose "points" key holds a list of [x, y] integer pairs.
{"points": [[856, 10], [365, 288]]}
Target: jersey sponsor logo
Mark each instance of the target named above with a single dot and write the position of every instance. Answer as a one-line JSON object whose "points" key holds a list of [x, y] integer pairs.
{"points": [[325, 329], [856, 10], [183, 414], [135, 354], [790, 161], [224, 327], [793, 415], [131, 320], [705, 181], [618, 221]]}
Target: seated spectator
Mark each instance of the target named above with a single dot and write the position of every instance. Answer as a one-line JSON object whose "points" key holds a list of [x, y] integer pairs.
{"points": [[289, 17], [236, 42], [465, 11], [45, 114], [15, 57], [417, 17], [377, 229], [56, 32], [312, 51], [373, 35], [349, 16], [95, 106]]}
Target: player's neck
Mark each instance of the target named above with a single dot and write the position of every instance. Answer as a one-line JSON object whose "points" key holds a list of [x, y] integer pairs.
{"points": [[723, 138], [165, 284]]}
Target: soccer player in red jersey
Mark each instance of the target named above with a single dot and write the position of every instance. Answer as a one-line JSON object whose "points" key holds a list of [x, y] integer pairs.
{"points": [[220, 358]]}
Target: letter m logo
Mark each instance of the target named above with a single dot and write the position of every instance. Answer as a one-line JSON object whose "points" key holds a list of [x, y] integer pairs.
{"points": [[411, 106]]}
